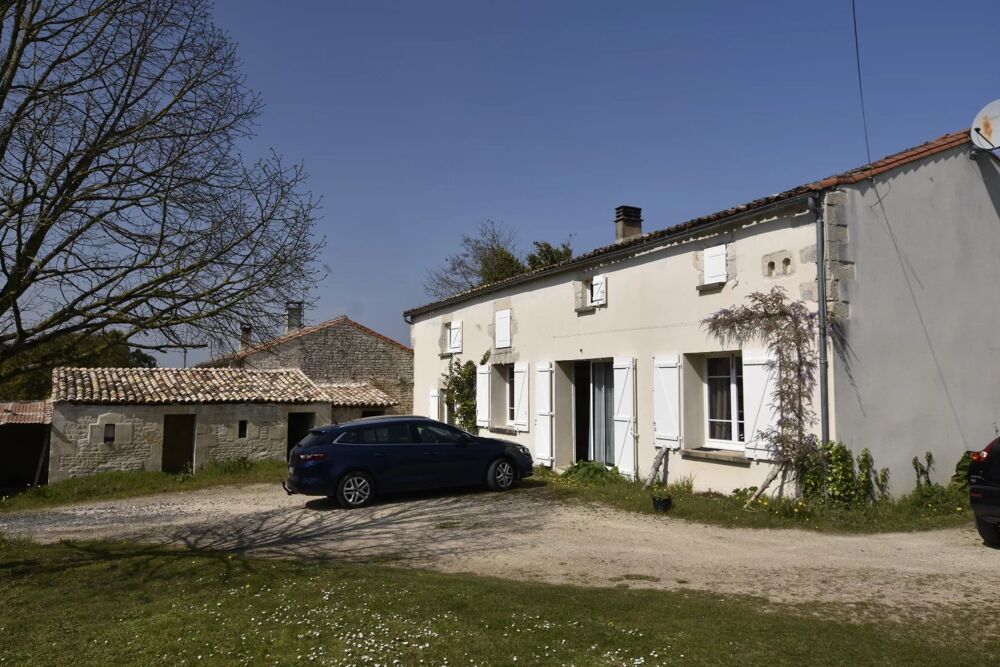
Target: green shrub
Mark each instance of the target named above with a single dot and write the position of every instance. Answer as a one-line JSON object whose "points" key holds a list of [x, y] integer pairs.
{"points": [[830, 476], [960, 478], [592, 472]]}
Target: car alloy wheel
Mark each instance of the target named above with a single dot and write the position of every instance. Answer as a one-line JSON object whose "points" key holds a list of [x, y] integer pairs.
{"points": [[356, 490], [504, 475]]}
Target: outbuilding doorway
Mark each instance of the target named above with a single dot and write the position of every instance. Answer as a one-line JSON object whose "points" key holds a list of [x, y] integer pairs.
{"points": [[299, 425], [178, 443]]}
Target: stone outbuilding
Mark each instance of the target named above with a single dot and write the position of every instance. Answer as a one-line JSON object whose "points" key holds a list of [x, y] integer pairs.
{"points": [[176, 419], [365, 373]]}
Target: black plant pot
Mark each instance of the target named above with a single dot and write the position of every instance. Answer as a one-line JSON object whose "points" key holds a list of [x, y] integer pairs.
{"points": [[663, 504]]}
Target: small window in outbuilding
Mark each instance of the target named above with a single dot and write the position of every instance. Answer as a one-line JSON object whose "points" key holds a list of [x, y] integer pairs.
{"points": [[242, 428], [109, 434]]}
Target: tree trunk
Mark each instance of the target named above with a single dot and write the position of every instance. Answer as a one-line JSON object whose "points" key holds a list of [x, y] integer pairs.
{"points": [[657, 462]]}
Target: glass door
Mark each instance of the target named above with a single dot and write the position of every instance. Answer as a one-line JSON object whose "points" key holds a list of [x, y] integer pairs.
{"points": [[603, 426]]}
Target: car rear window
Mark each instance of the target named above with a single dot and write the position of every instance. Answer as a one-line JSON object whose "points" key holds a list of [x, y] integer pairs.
{"points": [[316, 438], [383, 434]]}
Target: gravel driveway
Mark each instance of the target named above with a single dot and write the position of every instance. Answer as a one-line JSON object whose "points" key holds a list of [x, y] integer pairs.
{"points": [[527, 535]]}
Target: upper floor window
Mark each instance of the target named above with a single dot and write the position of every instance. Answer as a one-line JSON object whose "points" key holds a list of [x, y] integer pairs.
{"points": [[599, 290], [453, 337], [714, 265], [501, 329]]}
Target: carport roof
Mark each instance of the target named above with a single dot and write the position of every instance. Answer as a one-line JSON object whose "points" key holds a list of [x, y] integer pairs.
{"points": [[158, 386], [25, 412]]}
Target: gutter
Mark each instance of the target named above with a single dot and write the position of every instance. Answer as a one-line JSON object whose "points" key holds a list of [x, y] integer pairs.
{"points": [[816, 204], [630, 249]]}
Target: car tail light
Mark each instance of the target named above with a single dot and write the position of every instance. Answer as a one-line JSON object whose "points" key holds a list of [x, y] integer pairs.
{"points": [[979, 457], [316, 456]]}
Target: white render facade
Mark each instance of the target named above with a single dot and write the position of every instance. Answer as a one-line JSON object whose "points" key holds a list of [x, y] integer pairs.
{"points": [[609, 360]]}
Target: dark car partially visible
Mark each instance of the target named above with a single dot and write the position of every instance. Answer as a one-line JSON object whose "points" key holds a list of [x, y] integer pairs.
{"points": [[357, 460], [984, 492]]}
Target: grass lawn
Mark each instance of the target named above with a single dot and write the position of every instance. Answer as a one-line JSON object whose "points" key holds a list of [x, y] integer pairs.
{"points": [[908, 513], [97, 603], [110, 485]]}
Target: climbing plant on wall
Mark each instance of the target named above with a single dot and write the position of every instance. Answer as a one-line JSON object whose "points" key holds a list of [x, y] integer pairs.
{"points": [[788, 329], [459, 386]]}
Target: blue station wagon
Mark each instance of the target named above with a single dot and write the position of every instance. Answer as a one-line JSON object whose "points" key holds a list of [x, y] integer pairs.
{"points": [[356, 460]]}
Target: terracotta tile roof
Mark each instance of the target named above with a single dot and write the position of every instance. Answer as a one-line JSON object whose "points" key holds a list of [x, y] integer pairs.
{"points": [[299, 333], [25, 412], [360, 394], [852, 176], [182, 385]]}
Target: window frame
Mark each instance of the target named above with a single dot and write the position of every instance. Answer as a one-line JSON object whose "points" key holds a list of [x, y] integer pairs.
{"points": [[110, 434], [511, 395], [736, 408], [242, 429]]}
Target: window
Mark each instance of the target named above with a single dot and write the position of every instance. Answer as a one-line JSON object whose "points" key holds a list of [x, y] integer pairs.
{"points": [[453, 333], [242, 428], [383, 434], [501, 326], [598, 291], [109, 434], [715, 265], [435, 433], [724, 376], [511, 396], [372, 413]]}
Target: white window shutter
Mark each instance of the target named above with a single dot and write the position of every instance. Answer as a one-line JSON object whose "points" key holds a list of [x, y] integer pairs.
{"points": [[521, 397], [433, 408], [715, 265], [455, 336], [501, 326], [758, 412], [624, 415], [599, 291], [666, 400], [543, 412], [483, 396]]}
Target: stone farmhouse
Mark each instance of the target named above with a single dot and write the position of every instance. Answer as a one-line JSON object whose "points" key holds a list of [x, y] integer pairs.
{"points": [[604, 357], [364, 372], [176, 419]]}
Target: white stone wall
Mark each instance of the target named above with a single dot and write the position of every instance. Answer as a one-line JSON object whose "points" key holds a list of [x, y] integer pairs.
{"points": [[78, 448]]}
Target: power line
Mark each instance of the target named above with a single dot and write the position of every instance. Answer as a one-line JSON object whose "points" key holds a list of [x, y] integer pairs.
{"points": [[861, 88]]}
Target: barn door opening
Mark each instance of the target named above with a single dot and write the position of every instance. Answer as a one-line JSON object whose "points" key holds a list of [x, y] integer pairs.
{"points": [[299, 425], [178, 443]]}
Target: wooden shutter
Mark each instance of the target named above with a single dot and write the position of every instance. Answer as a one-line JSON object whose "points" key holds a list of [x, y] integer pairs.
{"points": [[715, 265], [521, 397], [502, 329], [543, 412], [666, 400], [624, 415], [483, 396], [455, 336], [433, 407], [758, 412], [599, 291]]}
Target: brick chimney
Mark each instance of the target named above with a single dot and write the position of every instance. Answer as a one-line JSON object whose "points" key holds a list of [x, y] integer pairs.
{"points": [[245, 336], [293, 316], [628, 223]]}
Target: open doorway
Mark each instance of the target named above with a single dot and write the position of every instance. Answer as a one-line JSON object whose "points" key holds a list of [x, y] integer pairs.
{"points": [[299, 425], [178, 443], [593, 411]]}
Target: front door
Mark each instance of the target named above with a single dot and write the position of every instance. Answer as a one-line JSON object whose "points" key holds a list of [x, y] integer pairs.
{"points": [[602, 378], [178, 443]]}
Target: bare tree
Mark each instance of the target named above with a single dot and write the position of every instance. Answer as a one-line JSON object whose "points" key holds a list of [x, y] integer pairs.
{"points": [[125, 203]]}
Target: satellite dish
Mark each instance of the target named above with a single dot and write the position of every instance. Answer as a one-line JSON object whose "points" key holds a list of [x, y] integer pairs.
{"points": [[985, 130]]}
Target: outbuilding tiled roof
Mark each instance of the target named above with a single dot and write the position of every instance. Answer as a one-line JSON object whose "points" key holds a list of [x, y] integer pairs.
{"points": [[356, 395], [674, 232], [299, 333], [182, 385], [25, 412]]}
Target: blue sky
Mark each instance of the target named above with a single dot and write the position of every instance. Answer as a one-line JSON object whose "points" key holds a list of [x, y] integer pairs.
{"points": [[416, 121]]}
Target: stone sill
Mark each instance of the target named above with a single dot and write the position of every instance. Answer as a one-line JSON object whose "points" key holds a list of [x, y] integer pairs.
{"points": [[718, 455], [710, 287], [503, 430]]}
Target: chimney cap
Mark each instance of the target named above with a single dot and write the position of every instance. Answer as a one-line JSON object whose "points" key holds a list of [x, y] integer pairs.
{"points": [[628, 222]]}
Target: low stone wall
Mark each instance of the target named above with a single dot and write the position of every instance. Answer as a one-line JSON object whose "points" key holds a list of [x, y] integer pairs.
{"points": [[78, 447]]}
